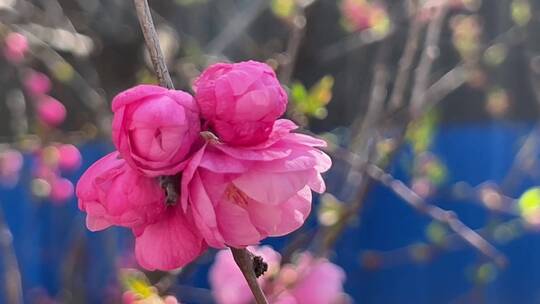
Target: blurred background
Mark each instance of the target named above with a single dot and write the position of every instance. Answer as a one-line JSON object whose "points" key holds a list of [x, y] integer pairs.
{"points": [[444, 95]]}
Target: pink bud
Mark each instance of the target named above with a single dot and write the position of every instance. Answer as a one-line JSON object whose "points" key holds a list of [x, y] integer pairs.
{"points": [[129, 297], [170, 300], [61, 190], [15, 47], [51, 111], [70, 157], [37, 83]]}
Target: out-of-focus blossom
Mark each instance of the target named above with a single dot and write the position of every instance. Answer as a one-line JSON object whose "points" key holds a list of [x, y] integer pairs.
{"points": [[240, 101], [61, 190], [69, 157], [229, 285], [51, 111], [154, 128], [37, 83], [307, 280], [359, 15], [242, 195], [11, 162], [15, 47]]}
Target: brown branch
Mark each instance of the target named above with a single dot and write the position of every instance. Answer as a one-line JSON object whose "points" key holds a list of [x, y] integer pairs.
{"points": [[444, 216], [12, 280], [405, 64], [168, 183], [152, 43], [429, 54], [249, 265]]}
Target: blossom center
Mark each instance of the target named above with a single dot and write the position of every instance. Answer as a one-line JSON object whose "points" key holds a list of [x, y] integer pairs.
{"points": [[235, 195]]}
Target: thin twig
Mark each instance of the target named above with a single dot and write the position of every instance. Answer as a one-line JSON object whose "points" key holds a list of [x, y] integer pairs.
{"points": [[429, 54], [405, 64], [444, 216], [168, 183], [152, 43], [245, 261]]}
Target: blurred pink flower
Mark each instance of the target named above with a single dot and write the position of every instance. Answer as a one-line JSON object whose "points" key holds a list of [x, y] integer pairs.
{"points": [[15, 47], [308, 280], [112, 193], [240, 196], [241, 101], [11, 162], [37, 83], [69, 157], [154, 128], [227, 282], [61, 190], [317, 281], [51, 111], [357, 13]]}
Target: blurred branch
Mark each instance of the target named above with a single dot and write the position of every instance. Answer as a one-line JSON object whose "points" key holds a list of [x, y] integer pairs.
{"points": [[444, 216], [12, 279], [298, 31], [152, 43], [239, 23], [405, 64], [429, 54], [246, 262]]}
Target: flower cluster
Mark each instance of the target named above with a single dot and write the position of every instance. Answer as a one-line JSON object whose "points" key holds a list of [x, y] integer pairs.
{"points": [[242, 174], [306, 280]]}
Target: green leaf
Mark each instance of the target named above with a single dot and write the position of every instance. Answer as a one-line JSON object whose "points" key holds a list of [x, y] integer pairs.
{"points": [[529, 202], [521, 12], [283, 8]]}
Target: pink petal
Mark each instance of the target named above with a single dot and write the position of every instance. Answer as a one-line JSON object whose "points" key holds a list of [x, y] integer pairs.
{"points": [[169, 243], [271, 188]]}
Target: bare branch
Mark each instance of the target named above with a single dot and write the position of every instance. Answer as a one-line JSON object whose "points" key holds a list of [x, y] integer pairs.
{"points": [[152, 43], [444, 216], [248, 265]]}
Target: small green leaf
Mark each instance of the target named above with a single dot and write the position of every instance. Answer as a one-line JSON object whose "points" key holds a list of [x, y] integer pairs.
{"points": [[521, 12]]}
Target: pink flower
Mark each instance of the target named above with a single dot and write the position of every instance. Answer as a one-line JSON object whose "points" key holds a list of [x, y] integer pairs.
{"points": [[154, 128], [317, 281], [308, 280], [11, 163], [241, 101], [51, 111], [112, 193], [15, 47], [37, 83], [61, 190], [240, 196], [227, 282], [69, 157]]}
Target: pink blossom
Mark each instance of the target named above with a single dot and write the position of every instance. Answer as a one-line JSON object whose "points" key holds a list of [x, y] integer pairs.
{"points": [[240, 196], [227, 282], [241, 101], [154, 128], [112, 193], [307, 280], [37, 83], [69, 157], [11, 162], [61, 190], [15, 47], [51, 111], [317, 281], [357, 13]]}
